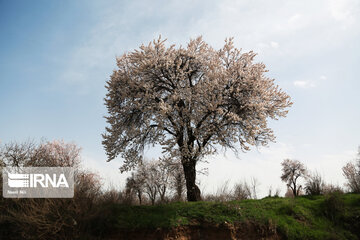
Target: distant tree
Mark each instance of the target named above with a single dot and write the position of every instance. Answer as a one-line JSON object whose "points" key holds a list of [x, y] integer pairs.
{"points": [[292, 170], [171, 177], [190, 101], [163, 169], [55, 153], [156, 178], [254, 185], [351, 171], [135, 184], [149, 172], [177, 181], [276, 193], [16, 154]]}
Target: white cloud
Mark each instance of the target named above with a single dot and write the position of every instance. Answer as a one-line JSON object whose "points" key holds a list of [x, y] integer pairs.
{"points": [[304, 84], [345, 11], [294, 18], [299, 27], [295, 23], [309, 83], [274, 44], [323, 77]]}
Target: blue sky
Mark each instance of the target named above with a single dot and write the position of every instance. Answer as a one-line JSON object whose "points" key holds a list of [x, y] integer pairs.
{"points": [[55, 57]]}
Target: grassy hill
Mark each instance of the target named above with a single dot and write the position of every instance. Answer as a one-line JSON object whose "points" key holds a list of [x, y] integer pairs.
{"points": [[334, 216]]}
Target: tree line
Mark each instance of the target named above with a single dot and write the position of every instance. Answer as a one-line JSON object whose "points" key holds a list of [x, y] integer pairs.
{"points": [[293, 171]]}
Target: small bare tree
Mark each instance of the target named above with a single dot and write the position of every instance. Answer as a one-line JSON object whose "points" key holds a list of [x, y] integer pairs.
{"points": [[254, 183], [163, 168], [351, 171], [177, 181], [157, 178], [314, 184], [272, 193], [148, 171], [172, 176], [291, 172], [15, 154], [135, 184]]}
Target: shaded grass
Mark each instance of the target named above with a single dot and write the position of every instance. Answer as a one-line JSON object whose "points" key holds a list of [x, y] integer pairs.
{"points": [[299, 218]]}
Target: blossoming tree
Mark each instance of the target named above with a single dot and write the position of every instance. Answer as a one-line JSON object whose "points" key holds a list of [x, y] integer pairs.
{"points": [[190, 100]]}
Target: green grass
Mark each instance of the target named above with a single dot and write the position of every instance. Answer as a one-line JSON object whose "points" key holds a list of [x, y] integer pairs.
{"points": [[320, 217]]}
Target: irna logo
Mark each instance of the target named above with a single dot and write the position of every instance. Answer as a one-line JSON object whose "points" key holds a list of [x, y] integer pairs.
{"points": [[38, 182]]}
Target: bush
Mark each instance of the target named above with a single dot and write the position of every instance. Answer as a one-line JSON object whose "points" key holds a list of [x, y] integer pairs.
{"points": [[330, 188], [40, 218], [242, 191], [314, 185], [334, 206]]}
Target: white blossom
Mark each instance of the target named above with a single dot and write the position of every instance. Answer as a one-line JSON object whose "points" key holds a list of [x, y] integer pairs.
{"points": [[189, 100]]}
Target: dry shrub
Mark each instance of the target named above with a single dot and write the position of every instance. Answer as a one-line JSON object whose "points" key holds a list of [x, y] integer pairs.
{"points": [[242, 191], [54, 218], [330, 188], [113, 196], [276, 193], [289, 193], [44, 218], [223, 194], [314, 184]]}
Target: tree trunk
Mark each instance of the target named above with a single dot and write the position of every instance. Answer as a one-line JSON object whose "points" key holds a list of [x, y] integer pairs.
{"points": [[294, 190], [193, 192], [162, 192], [179, 188], [139, 197]]}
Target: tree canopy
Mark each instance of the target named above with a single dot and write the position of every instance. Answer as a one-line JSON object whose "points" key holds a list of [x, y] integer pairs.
{"points": [[292, 170], [189, 100]]}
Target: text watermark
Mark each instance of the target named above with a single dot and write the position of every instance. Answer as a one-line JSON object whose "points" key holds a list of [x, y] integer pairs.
{"points": [[38, 182]]}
